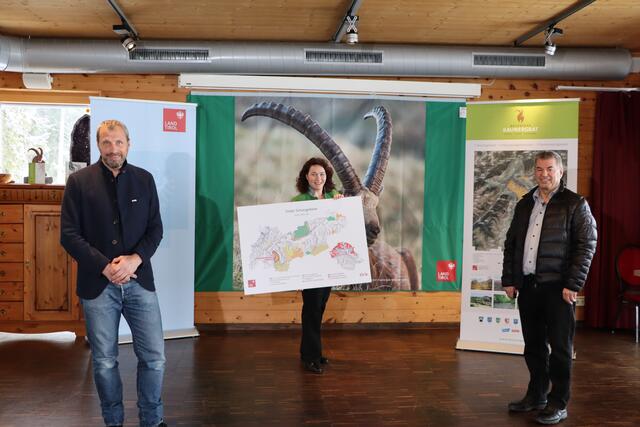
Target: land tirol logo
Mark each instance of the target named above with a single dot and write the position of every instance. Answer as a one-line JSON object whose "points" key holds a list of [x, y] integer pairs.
{"points": [[521, 126], [174, 120], [445, 271]]}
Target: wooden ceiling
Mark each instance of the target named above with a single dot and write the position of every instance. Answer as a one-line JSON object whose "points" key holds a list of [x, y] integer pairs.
{"points": [[607, 23]]}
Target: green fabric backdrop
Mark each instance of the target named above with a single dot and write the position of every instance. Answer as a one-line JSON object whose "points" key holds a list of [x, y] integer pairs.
{"points": [[215, 138], [444, 193]]}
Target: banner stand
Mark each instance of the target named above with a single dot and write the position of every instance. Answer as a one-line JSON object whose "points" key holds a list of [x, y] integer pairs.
{"points": [[503, 139], [492, 347], [163, 141]]}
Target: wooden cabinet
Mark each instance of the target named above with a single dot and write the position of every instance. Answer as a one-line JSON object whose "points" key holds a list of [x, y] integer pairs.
{"points": [[49, 288], [11, 262], [37, 276]]}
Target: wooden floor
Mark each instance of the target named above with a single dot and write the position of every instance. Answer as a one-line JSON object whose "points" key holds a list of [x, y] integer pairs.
{"points": [[376, 378]]}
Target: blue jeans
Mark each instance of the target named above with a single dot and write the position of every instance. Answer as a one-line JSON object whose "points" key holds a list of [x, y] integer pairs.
{"points": [[142, 312]]}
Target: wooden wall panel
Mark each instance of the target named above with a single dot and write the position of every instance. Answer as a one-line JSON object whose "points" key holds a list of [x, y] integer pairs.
{"points": [[47, 96], [344, 306]]}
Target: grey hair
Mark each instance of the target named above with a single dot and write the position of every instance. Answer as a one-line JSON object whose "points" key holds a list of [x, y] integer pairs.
{"points": [[112, 124], [544, 155]]}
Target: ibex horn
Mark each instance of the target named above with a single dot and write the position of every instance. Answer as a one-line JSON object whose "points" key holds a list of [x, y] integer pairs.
{"points": [[381, 151], [304, 124]]}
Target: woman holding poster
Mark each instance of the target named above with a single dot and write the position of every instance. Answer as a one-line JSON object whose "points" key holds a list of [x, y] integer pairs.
{"points": [[314, 182]]}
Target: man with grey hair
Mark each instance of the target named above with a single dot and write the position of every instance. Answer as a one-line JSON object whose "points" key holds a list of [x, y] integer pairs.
{"points": [[111, 225], [547, 255]]}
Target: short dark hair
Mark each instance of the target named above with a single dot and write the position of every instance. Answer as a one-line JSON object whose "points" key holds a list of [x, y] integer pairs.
{"points": [[303, 185], [112, 124], [544, 155]]}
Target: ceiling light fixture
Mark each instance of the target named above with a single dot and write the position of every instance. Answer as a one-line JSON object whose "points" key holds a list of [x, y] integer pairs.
{"points": [[352, 29], [549, 46], [126, 30], [550, 23], [129, 44], [349, 20]]}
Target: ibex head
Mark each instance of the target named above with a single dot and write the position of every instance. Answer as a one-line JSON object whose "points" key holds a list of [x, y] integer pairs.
{"points": [[370, 190], [38, 158]]}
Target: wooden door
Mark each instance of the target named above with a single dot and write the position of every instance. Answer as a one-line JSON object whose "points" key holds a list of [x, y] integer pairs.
{"points": [[49, 273]]}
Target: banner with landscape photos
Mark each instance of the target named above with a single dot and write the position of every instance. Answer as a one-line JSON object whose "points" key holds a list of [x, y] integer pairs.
{"points": [[502, 141]]}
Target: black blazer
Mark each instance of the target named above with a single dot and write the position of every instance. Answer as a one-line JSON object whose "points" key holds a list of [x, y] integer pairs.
{"points": [[95, 230]]}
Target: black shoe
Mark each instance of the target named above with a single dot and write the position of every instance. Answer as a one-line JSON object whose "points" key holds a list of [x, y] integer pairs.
{"points": [[527, 404], [551, 415], [323, 360], [313, 367]]}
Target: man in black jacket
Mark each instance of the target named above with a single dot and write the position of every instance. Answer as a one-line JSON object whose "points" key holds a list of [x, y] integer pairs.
{"points": [[547, 254], [111, 225]]}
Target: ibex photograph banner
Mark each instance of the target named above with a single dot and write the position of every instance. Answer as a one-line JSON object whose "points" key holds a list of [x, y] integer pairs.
{"points": [[377, 149]]}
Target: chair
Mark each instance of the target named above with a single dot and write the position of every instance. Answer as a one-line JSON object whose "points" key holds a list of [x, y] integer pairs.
{"points": [[628, 273]]}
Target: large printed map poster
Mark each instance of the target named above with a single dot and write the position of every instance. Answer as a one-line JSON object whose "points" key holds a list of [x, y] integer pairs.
{"points": [[300, 245], [502, 141]]}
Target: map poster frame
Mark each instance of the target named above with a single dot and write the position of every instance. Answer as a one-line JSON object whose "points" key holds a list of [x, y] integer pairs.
{"points": [[302, 245], [502, 141]]}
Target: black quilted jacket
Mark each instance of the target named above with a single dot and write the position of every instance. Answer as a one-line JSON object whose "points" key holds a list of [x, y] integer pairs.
{"points": [[567, 241]]}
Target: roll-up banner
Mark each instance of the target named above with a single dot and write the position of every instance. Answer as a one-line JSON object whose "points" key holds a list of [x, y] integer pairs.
{"points": [[163, 141], [502, 141]]}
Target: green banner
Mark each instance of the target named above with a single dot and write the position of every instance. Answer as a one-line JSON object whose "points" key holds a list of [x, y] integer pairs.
{"points": [[214, 192], [256, 161], [444, 197], [522, 120]]}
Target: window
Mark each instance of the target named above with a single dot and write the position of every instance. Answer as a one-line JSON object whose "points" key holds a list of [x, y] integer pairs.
{"points": [[24, 126]]}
